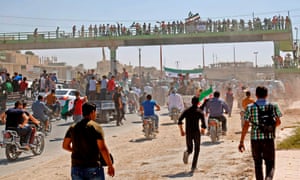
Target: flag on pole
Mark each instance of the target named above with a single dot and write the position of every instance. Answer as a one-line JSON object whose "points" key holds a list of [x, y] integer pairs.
{"points": [[205, 94]]}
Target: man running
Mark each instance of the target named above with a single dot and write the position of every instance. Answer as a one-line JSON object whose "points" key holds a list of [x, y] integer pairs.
{"points": [[192, 115]]}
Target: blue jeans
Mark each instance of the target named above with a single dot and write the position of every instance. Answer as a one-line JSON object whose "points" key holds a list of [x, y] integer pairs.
{"points": [[91, 173], [25, 134], [103, 94]]}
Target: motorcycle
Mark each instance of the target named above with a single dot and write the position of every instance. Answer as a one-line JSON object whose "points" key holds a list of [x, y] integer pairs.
{"points": [[54, 114], [174, 114], [149, 127], [43, 127], [12, 143], [131, 107], [215, 129]]}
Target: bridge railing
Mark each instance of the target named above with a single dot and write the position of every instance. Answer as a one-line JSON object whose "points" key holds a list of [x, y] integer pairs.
{"points": [[19, 36], [140, 30]]}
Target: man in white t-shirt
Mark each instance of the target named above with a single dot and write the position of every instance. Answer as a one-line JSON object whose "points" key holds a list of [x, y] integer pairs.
{"points": [[175, 100], [148, 89], [92, 88], [42, 84], [103, 90]]}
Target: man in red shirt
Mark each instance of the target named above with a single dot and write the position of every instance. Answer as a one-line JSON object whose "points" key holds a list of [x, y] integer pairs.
{"points": [[111, 85], [23, 85], [77, 107]]}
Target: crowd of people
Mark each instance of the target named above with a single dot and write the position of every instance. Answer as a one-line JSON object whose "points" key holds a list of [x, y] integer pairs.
{"points": [[261, 114], [84, 114], [277, 22], [10, 84]]}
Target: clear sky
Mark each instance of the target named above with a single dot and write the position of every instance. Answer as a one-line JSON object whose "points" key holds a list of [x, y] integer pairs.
{"points": [[46, 15]]}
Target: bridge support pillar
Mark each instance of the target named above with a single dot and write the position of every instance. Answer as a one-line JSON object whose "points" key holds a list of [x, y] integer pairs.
{"points": [[276, 48], [113, 60]]}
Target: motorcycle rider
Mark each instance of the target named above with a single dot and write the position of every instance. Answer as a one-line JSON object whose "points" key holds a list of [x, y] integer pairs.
{"points": [[31, 118], [147, 109], [175, 101], [30, 121], [51, 102], [16, 119], [142, 98], [40, 111], [133, 99], [215, 107]]}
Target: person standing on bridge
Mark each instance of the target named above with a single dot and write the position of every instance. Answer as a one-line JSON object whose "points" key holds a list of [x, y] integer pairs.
{"points": [[85, 140], [57, 32], [73, 30], [82, 31], [35, 33]]}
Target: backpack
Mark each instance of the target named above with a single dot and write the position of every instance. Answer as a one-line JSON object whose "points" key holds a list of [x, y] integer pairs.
{"points": [[266, 122], [9, 87]]}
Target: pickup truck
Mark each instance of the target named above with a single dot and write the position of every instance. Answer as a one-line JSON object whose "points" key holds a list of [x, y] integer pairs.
{"points": [[105, 110]]}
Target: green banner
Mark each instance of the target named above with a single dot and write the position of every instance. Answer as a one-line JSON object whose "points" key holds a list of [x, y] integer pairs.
{"points": [[183, 71]]}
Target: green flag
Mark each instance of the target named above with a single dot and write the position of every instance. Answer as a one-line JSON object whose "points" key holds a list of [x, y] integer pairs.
{"points": [[205, 93]]}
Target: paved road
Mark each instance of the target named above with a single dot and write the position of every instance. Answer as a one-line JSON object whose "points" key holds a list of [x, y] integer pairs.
{"points": [[53, 144]]}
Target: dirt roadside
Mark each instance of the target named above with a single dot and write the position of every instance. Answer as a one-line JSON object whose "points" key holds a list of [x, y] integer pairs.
{"points": [[161, 158]]}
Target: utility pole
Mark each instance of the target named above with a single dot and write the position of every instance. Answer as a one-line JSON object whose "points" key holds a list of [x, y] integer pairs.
{"points": [[203, 56], [160, 58], [296, 29], [177, 64], [296, 53], [255, 58], [234, 64], [140, 65]]}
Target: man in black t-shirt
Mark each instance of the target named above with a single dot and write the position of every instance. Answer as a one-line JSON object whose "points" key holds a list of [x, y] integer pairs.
{"points": [[85, 140], [192, 115], [17, 120]]}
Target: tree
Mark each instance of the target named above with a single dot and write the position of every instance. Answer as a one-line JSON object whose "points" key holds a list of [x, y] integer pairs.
{"points": [[29, 53]]}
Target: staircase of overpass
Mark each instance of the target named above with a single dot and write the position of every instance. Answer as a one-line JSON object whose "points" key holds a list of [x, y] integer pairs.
{"points": [[282, 38]]}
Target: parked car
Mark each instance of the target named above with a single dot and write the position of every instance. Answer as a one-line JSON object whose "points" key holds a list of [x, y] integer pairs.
{"points": [[65, 94], [61, 86]]}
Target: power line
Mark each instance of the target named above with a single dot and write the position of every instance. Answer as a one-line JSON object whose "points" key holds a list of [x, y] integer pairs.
{"points": [[124, 21], [128, 20], [74, 20], [255, 14], [31, 25]]}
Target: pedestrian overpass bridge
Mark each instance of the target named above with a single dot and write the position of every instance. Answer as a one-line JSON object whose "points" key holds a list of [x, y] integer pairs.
{"points": [[282, 38]]}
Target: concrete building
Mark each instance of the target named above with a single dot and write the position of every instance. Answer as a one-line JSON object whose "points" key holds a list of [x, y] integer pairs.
{"points": [[238, 70], [31, 66]]}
